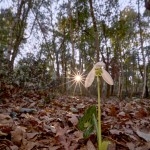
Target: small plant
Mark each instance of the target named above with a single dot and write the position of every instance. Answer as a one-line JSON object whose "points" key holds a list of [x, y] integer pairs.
{"points": [[89, 119], [86, 123]]}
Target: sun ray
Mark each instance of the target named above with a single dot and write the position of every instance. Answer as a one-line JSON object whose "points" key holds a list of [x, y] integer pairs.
{"points": [[74, 81], [75, 88], [80, 88], [65, 83], [72, 84]]}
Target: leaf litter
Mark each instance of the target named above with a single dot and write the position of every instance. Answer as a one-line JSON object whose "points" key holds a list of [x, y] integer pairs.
{"points": [[28, 123]]}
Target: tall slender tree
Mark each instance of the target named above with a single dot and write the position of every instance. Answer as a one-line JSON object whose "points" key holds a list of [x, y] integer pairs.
{"points": [[17, 30], [142, 50]]}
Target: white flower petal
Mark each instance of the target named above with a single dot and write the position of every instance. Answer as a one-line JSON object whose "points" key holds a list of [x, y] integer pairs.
{"points": [[90, 78], [106, 76], [99, 65]]}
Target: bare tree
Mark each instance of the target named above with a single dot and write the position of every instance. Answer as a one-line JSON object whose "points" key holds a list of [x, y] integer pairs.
{"points": [[142, 50], [17, 30], [95, 31], [71, 33]]}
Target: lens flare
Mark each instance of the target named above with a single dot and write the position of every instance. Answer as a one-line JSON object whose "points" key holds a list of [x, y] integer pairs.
{"points": [[78, 81], [74, 81], [78, 78]]}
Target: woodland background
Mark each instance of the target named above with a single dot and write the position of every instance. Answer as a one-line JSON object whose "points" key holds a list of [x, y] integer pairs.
{"points": [[43, 43]]}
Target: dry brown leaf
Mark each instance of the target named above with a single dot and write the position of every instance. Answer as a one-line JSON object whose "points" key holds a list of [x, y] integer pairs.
{"points": [[128, 131], [53, 147], [5, 120], [61, 131], [90, 145], [128, 107], [115, 131], [53, 129], [80, 106], [61, 136], [65, 141], [17, 135], [141, 113], [145, 147], [32, 105], [30, 136], [30, 145], [47, 128], [121, 114], [78, 135], [145, 136], [14, 147], [27, 145], [111, 146], [113, 111], [83, 148], [2, 134], [131, 146], [73, 119]]}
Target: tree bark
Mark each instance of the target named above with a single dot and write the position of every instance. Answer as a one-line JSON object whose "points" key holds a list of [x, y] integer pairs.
{"points": [[142, 51], [63, 62], [147, 4], [71, 36], [95, 31], [17, 31]]}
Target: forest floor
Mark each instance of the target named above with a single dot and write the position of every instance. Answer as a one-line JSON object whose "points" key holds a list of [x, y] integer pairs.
{"points": [[33, 120]]}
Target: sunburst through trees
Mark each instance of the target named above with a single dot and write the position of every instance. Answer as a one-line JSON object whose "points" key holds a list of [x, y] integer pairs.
{"points": [[76, 80]]}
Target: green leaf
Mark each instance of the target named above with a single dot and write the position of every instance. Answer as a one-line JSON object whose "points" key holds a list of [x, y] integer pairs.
{"points": [[105, 145], [88, 131], [95, 123], [87, 120], [87, 124]]}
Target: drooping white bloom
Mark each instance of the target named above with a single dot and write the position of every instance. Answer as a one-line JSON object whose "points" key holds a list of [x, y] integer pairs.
{"points": [[105, 75]]}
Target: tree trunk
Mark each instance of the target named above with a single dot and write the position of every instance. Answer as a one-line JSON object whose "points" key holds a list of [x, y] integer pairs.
{"points": [[63, 69], [17, 31], [147, 4], [71, 36], [120, 82], [57, 64], [112, 90], [95, 31], [63, 62], [119, 87], [142, 50]]}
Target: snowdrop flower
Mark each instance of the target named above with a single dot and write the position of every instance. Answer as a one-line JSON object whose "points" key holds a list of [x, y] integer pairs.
{"points": [[98, 70]]}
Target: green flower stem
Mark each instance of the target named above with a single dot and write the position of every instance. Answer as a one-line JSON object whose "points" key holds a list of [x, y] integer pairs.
{"points": [[99, 116]]}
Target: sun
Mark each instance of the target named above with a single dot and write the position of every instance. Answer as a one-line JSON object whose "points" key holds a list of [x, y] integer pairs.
{"points": [[78, 78], [75, 81]]}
